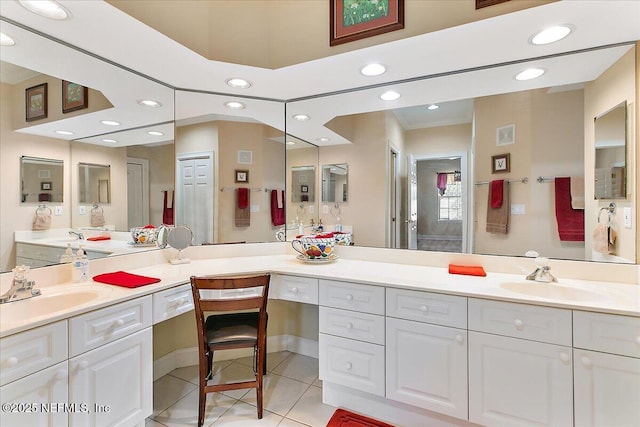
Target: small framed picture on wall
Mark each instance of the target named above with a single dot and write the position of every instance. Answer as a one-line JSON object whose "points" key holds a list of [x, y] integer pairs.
{"points": [[501, 163], [304, 188], [242, 176]]}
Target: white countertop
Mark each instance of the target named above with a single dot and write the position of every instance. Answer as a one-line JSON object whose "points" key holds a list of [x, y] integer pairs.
{"points": [[612, 298]]}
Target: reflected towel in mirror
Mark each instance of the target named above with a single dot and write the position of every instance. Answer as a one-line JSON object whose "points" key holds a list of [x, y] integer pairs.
{"points": [[498, 218], [570, 221]]}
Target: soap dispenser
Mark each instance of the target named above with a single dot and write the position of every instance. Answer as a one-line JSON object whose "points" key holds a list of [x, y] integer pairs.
{"points": [[80, 266], [338, 226], [67, 256]]}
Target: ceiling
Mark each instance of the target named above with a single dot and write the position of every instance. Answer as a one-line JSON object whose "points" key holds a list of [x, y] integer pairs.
{"points": [[104, 30]]}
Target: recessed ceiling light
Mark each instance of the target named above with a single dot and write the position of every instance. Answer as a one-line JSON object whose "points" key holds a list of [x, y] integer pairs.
{"points": [[5, 40], [373, 70], [433, 107], [234, 105], [239, 83], [149, 103], [390, 95], [323, 139], [46, 8], [291, 143], [64, 132], [109, 140], [301, 117], [110, 123], [551, 34], [155, 133], [530, 73]]}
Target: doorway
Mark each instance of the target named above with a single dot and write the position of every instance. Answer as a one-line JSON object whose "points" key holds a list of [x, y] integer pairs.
{"points": [[137, 192], [194, 195]]}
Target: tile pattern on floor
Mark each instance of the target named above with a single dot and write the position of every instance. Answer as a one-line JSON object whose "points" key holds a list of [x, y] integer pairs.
{"points": [[292, 395]]}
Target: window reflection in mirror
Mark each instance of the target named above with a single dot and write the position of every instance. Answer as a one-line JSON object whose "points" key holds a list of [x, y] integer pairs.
{"points": [[611, 153], [334, 182], [94, 183], [303, 180], [41, 180]]}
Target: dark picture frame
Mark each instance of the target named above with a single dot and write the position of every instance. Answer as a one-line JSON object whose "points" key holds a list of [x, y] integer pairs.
{"points": [[36, 102], [74, 97], [304, 188], [351, 20], [45, 186], [501, 163], [484, 3], [242, 176]]}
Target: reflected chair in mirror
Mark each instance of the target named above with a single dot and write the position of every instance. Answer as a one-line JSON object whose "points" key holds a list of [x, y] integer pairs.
{"points": [[231, 313]]}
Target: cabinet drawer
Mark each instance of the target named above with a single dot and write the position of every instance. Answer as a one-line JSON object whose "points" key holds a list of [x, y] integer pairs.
{"points": [[351, 324], [99, 327], [352, 296], [607, 332], [294, 288], [354, 364], [172, 302], [445, 310], [552, 325], [31, 351]]}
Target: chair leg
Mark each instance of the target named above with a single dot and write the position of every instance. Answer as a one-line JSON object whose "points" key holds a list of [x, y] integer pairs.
{"points": [[259, 376], [205, 372], [209, 365]]}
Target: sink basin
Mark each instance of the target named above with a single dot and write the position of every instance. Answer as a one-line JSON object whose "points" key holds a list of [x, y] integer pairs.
{"points": [[56, 299], [552, 291]]}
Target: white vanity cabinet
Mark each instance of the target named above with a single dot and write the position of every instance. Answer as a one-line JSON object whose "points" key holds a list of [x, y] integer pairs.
{"points": [[426, 351], [351, 341], [606, 370], [520, 365], [294, 288]]}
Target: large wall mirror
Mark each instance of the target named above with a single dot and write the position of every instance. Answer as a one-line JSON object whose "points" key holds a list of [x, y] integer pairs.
{"points": [[334, 182], [611, 153], [94, 183], [543, 127]]}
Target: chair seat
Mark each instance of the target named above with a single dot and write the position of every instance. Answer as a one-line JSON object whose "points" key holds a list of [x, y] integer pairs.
{"points": [[235, 328]]}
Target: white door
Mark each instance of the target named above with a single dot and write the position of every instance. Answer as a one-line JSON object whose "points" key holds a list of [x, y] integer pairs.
{"points": [[412, 191], [115, 380], [607, 389], [137, 192], [427, 366], [515, 382], [194, 195], [31, 396], [393, 201]]}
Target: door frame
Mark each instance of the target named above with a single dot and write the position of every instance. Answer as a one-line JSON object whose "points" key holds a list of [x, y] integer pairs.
{"points": [[212, 196], [145, 186]]}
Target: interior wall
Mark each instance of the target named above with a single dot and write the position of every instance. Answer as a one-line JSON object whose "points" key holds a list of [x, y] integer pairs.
{"points": [[615, 85], [300, 157], [396, 141]]}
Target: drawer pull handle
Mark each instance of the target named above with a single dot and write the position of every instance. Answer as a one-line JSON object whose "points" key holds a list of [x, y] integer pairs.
{"points": [[11, 361], [349, 297], [61, 375], [564, 357], [459, 338], [424, 309], [83, 365], [294, 290], [181, 301], [349, 325], [586, 361], [348, 366], [118, 323], [518, 324]]}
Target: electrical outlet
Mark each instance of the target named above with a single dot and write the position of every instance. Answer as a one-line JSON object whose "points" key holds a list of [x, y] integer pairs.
{"points": [[254, 208], [517, 209], [312, 209], [626, 217], [82, 210], [325, 209], [57, 211]]}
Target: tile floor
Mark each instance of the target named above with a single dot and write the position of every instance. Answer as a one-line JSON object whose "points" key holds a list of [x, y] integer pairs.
{"points": [[292, 395]]}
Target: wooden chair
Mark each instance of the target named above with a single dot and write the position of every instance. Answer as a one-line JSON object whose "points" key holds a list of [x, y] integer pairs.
{"points": [[231, 326]]}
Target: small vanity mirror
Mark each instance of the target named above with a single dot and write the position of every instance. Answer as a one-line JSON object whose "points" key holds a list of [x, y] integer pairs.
{"points": [[41, 180], [94, 183], [611, 153], [334, 182], [303, 180]]}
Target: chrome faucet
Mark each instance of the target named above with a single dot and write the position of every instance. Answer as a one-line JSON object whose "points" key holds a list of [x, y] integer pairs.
{"points": [[78, 234], [21, 288], [542, 272]]}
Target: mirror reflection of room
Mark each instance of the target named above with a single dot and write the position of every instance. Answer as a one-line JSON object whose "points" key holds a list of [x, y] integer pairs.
{"points": [[41, 180], [611, 153]]}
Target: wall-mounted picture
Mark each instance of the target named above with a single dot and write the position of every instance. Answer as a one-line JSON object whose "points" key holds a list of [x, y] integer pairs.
{"points": [[74, 97], [36, 102], [242, 176], [506, 135], [484, 3], [45, 186], [304, 188], [351, 20], [501, 163]]}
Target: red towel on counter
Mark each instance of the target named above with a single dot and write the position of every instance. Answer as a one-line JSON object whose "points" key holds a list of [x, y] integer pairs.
{"points": [[167, 210], [124, 279], [570, 221], [496, 193], [98, 238], [467, 270], [243, 197], [277, 213]]}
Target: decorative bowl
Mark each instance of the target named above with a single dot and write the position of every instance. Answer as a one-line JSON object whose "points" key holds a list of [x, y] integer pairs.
{"points": [[342, 238], [312, 247], [144, 235]]}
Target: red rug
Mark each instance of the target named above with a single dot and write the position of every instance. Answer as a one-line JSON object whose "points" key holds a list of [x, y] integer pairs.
{"points": [[344, 418]]}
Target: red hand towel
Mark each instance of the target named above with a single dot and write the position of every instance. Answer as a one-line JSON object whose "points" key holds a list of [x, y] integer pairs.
{"points": [[570, 221], [167, 210], [277, 214], [243, 198], [496, 193], [98, 238], [127, 280], [467, 270]]}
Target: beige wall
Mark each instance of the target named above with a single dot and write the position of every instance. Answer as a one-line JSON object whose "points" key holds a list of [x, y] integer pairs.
{"points": [[301, 157], [262, 31], [616, 85]]}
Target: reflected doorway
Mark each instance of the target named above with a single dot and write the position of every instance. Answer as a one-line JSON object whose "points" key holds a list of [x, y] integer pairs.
{"points": [[137, 192], [194, 195]]}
